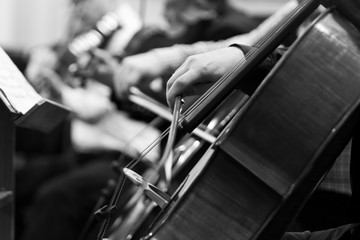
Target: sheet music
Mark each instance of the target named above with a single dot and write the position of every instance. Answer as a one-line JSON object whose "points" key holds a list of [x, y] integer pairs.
{"points": [[15, 90]]}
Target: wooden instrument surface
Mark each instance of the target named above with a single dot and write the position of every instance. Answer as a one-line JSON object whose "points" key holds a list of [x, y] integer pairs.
{"points": [[189, 149], [254, 180]]}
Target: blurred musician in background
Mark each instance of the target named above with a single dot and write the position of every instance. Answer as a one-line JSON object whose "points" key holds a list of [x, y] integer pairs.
{"points": [[188, 22], [44, 176], [191, 21]]}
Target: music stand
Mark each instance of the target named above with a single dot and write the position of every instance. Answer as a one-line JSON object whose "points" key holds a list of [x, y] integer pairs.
{"points": [[22, 106]]}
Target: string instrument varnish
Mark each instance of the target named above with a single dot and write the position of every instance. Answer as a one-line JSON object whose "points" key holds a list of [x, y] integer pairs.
{"points": [[264, 165]]}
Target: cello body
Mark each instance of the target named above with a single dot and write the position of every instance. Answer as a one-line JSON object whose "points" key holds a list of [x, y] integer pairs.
{"points": [[133, 224], [253, 181]]}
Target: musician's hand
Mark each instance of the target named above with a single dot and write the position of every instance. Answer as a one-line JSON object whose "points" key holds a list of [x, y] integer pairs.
{"points": [[99, 65], [200, 71], [130, 71], [135, 70], [86, 104]]}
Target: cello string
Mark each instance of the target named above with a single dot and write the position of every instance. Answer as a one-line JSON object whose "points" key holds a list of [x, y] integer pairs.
{"points": [[235, 70], [253, 51], [132, 163], [121, 182], [250, 54], [171, 131], [149, 147], [166, 160]]}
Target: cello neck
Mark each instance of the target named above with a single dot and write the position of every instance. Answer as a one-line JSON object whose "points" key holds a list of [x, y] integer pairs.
{"points": [[236, 77]]}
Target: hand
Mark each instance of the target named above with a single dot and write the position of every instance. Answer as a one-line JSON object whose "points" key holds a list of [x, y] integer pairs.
{"points": [[121, 76], [135, 70], [200, 71], [88, 105], [99, 65]]}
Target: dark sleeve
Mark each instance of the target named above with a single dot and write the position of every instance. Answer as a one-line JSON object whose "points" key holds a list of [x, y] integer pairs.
{"points": [[259, 73]]}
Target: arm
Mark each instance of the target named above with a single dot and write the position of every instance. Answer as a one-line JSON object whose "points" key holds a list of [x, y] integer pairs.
{"points": [[144, 67], [172, 57], [200, 71]]}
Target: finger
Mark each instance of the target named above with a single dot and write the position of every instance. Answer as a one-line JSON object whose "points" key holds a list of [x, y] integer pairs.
{"points": [[125, 78], [180, 85], [180, 71]]}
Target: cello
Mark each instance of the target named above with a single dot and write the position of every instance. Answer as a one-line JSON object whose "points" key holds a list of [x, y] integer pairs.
{"points": [[255, 178], [133, 223]]}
